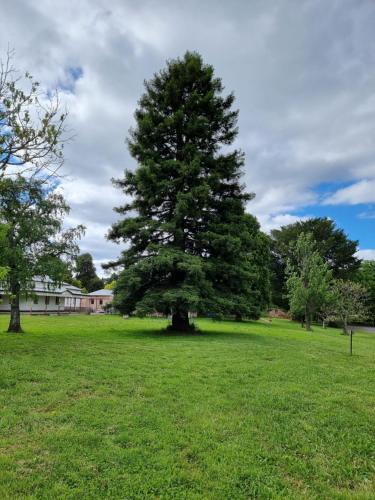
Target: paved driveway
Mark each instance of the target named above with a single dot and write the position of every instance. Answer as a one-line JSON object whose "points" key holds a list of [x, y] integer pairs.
{"points": [[367, 329]]}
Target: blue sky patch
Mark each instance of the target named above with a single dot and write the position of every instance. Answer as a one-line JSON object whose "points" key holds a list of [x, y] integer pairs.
{"points": [[350, 218], [72, 75]]}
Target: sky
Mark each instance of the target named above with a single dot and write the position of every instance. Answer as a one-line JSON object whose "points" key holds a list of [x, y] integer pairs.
{"points": [[303, 73]]}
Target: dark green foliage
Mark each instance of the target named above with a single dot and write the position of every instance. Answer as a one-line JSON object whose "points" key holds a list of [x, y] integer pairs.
{"points": [[68, 274], [239, 266], [35, 240], [190, 243], [336, 249], [86, 273], [3, 233]]}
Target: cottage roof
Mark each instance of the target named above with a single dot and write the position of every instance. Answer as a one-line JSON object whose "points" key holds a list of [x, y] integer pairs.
{"points": [[44, 284], [103, 293]]}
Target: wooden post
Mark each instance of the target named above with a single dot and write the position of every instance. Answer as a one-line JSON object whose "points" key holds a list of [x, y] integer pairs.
{"points": [[351, 342]]}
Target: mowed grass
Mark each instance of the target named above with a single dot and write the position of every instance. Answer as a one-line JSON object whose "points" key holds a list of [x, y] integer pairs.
{"points": [[99, 406]]}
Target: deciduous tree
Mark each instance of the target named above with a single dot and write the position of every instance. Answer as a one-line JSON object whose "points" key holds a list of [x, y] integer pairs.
{"points": [[350, 302], [366, 276], [35, 239], [308, 278], [32, 125], [333, 245]]}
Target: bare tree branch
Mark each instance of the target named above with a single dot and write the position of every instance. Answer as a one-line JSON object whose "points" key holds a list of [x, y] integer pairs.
{"points": [[32, 125]]}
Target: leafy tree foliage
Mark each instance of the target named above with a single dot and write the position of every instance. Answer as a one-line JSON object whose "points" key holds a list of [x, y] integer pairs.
{"points": [[328, 309], [111, 278], [336, 249], [110, 285], [309, 278], [350, 302], [366, 276], [86, 273], [35, 240], [68, 273], [190, 243], [32, 125], [3, 233]]}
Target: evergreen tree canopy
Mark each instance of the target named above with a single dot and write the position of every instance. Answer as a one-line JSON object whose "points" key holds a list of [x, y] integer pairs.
{"points": [[240, 277], [185, 222], [86, 273]]}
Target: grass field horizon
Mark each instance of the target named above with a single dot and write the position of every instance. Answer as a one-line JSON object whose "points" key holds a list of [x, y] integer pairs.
{"points": [[99, 406]]}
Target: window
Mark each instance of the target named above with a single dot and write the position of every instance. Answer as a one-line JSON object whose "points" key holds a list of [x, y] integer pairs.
{"points": [[92, 301], [57, 301], [36, 299], [47, 301], [101, 302]]}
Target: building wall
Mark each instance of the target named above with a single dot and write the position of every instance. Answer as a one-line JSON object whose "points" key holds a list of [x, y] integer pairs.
{"points": [[72, 302], [29, 305], [96, 303]]}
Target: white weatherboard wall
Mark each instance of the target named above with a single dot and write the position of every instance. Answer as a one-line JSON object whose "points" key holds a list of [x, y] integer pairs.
{"points": [[28, 304], [72, 302], [46, 297]]}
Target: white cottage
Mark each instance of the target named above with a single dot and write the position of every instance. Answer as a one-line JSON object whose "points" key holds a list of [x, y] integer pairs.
{"points": [[47, 297]]}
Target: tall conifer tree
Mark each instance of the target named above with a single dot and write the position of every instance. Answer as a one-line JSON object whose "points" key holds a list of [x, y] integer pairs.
{"points": [[186, 214]]}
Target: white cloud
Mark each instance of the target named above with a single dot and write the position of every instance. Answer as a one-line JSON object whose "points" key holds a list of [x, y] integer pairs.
{"points": [[367, 215], [303, 74], [366, 254], [360, 192], [270, 222]]}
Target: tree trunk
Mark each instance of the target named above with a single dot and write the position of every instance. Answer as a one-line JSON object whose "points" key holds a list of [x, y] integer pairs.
{"points": [[238, 317], [345, 326], [15, 316], [180, 321], [308, 321]]}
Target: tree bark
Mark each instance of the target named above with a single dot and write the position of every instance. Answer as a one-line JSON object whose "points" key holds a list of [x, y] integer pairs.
{"points": [[180, 321], [308, 321], [345, 326], [15, 316]]}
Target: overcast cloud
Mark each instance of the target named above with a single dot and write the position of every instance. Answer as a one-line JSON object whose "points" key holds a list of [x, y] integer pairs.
{"points": [[303, 72]]}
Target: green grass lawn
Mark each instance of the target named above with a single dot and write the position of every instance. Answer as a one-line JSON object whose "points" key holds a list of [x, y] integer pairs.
{"points": [[99, 406]]}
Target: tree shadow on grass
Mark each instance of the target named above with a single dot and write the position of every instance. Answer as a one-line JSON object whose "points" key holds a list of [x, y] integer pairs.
{"points": [[201, 335]]}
